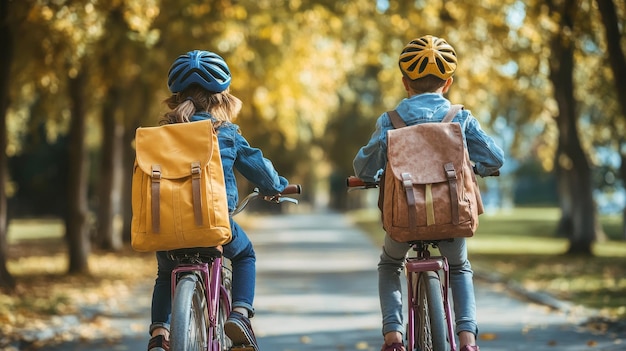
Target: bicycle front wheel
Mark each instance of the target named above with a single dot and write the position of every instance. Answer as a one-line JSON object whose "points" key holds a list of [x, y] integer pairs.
{"points": [[431, 330], [189, 316]]}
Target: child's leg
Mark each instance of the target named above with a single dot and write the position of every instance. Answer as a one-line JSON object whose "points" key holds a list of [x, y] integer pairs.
{"points": [[462, 286], [162, 296], [243, 261], [390, 268]]}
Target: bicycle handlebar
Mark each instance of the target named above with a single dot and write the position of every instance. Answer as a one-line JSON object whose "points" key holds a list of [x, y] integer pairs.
{"points": [[291, 189], [355, 182]]}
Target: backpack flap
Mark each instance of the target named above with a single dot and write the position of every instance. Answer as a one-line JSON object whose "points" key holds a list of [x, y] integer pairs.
{"points": [[415, 149], [161, 146]]}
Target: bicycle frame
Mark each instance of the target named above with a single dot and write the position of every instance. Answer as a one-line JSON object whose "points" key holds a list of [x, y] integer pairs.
{"points": [[209, 271], [424, 262], [207, 265], [211, 275]]}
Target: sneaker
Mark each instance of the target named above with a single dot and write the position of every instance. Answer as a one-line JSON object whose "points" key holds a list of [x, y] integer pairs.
{"points": [[239, 330], [393, 347], [158, 343], [470, 348]]}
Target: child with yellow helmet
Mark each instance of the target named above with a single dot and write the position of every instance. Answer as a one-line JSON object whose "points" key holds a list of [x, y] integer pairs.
{"points": [[427, 65]]}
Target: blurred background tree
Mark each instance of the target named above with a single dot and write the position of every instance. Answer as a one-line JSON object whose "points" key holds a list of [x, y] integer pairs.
{"points": [[79, 76]]}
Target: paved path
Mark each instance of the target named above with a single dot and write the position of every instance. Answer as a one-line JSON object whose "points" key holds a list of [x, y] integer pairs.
{"points": [[316, 290]]}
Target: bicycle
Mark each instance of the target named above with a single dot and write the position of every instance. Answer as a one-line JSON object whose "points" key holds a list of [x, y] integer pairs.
{"points": [[429, 326], [201, 285]]}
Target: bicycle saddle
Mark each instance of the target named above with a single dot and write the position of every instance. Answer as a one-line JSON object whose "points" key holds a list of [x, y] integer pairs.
{"points": [[202, 253]]}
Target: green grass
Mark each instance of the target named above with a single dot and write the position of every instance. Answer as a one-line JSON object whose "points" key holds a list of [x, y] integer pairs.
{"points": [[520, 245], [25, 229]]}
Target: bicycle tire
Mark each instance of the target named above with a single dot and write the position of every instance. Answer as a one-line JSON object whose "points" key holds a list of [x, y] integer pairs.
{"points": [[431, 330], [189, 322]]}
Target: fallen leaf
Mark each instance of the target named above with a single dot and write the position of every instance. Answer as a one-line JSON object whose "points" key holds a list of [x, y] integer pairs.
{"points": [[361, 345], [487, 336], [305, 339]]}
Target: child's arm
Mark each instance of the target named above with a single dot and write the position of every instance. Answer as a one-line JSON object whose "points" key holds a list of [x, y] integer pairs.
{"points": [[486, 155], [257, 169], [372, 158]]}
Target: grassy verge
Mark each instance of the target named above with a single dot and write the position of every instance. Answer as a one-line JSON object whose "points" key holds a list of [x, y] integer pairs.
{"points": [[520, 246]]}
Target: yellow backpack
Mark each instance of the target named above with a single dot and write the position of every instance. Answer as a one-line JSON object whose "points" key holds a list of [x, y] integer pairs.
{"points": [[178, 190]]}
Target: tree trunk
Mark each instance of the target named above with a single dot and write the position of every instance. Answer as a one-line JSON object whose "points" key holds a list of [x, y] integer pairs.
{"points": [[623, 175], [564, 228], [145, 98], [77, 231], [572, 161], [109, 235], [6, 279], [617, 60]]}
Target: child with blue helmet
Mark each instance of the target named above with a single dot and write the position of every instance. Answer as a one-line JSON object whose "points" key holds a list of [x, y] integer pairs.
{"points": [[199, 82]]}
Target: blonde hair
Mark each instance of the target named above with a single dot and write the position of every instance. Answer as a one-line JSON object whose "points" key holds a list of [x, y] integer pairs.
{"points": [[223, 106]]}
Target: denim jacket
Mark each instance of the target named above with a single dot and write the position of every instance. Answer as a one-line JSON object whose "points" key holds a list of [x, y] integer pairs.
{"points": [[371, 159], [237, 154]]}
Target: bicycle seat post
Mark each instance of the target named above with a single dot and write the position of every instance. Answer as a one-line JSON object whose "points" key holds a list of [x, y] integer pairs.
{"points": [[421, 248]]}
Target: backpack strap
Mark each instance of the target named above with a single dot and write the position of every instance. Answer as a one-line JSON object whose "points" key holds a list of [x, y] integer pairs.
{"points": [[450, 171], [196, 173], [454, 109], [155, 205], [396, 120]]}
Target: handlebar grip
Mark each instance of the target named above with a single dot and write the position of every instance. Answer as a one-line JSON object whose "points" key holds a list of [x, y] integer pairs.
{"points": [[353, 181], [494, 174], [292, 189]]}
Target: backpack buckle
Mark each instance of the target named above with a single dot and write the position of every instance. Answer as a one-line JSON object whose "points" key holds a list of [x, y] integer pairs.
{"points": [[449, 169], [195, 169], [407, 181]]}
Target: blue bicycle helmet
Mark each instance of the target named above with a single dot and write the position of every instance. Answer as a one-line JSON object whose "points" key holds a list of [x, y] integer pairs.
{"points": [[203, 68]]}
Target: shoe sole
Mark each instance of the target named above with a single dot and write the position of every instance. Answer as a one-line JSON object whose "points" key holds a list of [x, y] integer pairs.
{"points": [[238, 335]]}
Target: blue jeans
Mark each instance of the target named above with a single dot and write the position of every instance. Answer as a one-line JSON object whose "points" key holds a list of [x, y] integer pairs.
{"points": [[390, 267], [243, 259]]}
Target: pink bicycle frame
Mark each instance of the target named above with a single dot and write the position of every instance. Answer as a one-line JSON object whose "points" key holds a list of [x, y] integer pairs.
{"points": [[425, 263], [211, 276]]}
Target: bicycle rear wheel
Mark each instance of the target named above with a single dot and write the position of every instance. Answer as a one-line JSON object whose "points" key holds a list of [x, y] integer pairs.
{"points": [[189, 316], [431, 330]]}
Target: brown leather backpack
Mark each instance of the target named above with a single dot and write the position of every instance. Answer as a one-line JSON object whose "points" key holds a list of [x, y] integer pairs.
{"points": [[429, 190]]}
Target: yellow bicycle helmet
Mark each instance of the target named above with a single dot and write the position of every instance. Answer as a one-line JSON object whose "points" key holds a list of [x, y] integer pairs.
{"points": [[428, 55]]}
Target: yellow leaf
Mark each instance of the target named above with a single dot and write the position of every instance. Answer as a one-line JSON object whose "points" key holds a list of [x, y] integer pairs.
{"points": [[305, 339], [488, 336]]}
